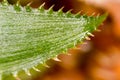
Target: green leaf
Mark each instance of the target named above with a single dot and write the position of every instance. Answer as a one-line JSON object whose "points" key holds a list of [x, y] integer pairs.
{"points": [[29, 37]]}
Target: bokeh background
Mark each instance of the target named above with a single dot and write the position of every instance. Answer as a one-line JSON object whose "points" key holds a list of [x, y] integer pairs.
{"points": [[95, 59]]}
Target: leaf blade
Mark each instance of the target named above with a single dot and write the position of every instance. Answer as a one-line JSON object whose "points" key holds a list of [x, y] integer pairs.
{"points": [[30, 38]]}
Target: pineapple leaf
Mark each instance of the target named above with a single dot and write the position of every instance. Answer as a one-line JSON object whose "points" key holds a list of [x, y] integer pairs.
{"points": [[29, 36]]}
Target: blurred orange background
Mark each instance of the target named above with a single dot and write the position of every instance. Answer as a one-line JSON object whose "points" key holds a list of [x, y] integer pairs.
{"points": [[96, 59]]}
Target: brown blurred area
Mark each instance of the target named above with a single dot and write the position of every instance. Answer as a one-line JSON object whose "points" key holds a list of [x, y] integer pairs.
{"points": [[97, 59]]}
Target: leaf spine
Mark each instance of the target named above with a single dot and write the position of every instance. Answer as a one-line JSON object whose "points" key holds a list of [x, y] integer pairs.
{"points": [[68, 13], [36, 69], [87, 38], [28, 8], [56, 59], [41, 8], [15, 75], [98, 15], [17, 6], [27, 72], [98, 30], [5, 3], [45, 65], [77, 15], [93, 14], [75, 43], [60, 11], [91, 34], [50, 10]]}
